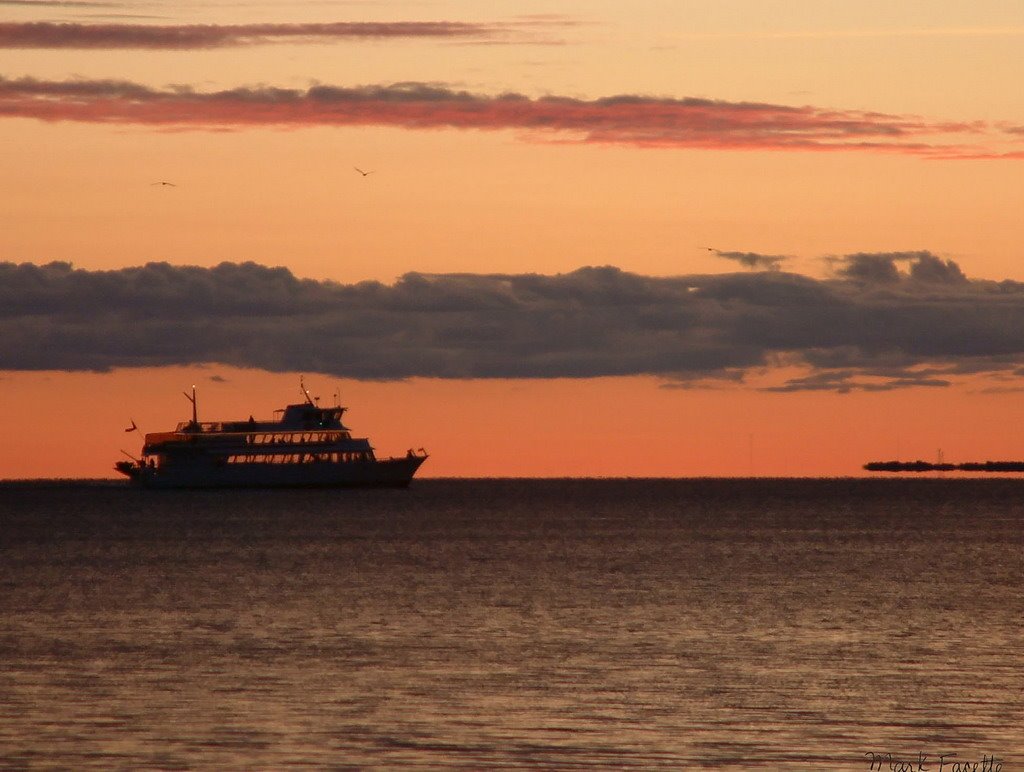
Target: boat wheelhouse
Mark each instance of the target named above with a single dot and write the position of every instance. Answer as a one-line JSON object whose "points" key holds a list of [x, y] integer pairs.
{"points": [[307, 446]]}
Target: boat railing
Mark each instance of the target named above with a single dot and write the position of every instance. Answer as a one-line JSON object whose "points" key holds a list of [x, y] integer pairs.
{"points": [[188, 435], [295, 437]]}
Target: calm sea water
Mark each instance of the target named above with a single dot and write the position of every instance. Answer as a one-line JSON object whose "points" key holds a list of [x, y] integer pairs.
{"points": [[784, 625]]}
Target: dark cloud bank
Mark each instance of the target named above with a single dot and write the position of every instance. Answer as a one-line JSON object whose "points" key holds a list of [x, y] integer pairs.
{"points": [[882, 321]]}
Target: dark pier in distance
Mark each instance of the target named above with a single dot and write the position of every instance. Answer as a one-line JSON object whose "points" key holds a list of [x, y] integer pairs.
{"points": [[926, 466]]}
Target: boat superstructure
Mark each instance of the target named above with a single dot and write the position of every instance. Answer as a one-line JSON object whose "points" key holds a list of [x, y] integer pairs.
{"points": [[307, 446]]}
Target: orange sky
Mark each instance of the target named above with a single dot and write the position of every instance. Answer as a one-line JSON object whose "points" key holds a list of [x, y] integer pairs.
{"points": [[591, 427], [887, 129]]}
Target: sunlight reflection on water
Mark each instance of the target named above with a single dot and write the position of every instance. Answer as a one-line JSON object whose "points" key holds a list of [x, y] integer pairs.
{"points": [[644, 624]]}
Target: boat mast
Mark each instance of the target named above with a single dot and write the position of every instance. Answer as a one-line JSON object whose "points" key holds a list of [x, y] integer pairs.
{"points": [[192, 399], [305, 391]]}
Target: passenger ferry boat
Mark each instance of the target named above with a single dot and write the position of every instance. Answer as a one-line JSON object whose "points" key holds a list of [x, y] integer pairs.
{"points": [[308, 446]]}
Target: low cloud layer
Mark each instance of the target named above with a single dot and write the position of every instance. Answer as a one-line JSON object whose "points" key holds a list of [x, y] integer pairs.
{"points": [[641, 121], [857, 330], [199, 36]]}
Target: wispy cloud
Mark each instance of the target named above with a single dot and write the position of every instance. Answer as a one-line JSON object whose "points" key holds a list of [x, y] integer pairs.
{"points": [[882, 267], [860, 33], [60, 3], [846, 381], [753, 260], [641, 121], [925, 329], [200, 36]]}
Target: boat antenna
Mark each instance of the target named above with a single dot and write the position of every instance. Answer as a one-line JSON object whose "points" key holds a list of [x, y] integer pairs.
{"points": [[137, 461], [192, 399], [305, 392]]}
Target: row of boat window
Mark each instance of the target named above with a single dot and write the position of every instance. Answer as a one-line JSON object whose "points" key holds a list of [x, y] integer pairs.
{"points": [[296, 437], [301, 458]]}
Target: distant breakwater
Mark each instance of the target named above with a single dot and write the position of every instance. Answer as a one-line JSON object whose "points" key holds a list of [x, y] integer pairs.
{"points": [[926, 466]]}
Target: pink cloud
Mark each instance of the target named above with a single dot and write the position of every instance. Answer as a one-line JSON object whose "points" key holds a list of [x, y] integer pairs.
{"points": [[198, 36], [640, 121]]}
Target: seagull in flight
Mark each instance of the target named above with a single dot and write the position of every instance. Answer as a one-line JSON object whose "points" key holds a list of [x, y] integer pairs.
{"points": [[161, 182], [365, 174]]}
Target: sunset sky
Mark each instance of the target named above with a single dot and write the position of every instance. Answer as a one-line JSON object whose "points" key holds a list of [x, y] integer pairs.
{"points": [[665, 237]]}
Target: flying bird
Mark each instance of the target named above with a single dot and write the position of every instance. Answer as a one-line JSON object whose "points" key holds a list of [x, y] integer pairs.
{"points": [[365, 174], [164, 183]]}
